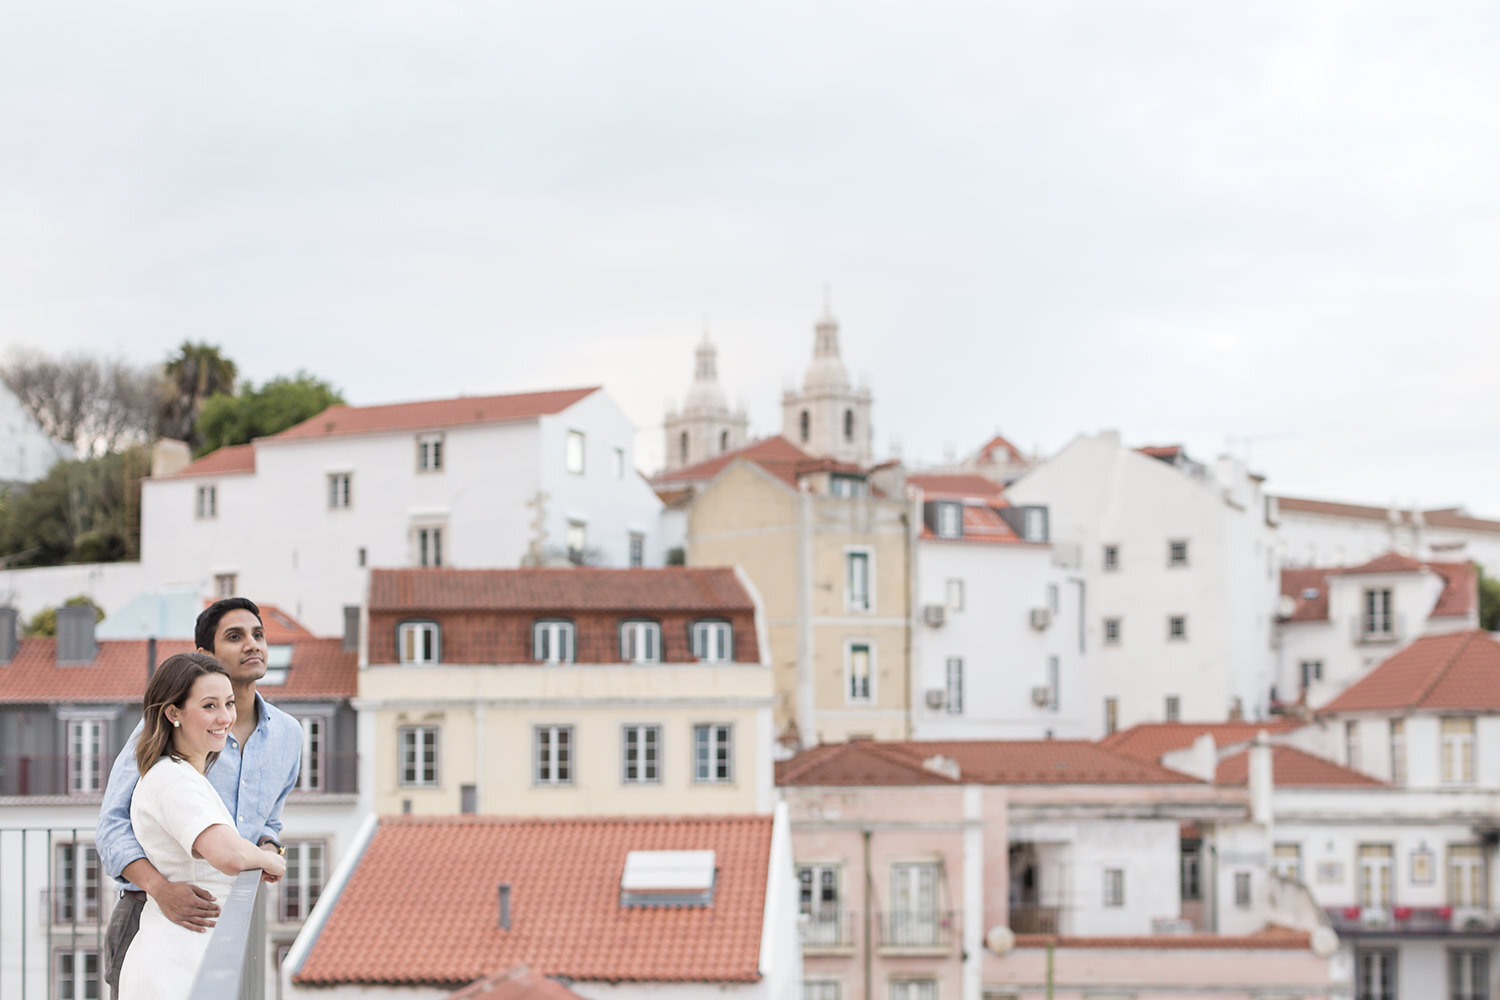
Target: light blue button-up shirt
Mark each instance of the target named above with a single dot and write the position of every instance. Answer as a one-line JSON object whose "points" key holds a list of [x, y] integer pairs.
{"points": [[254, 792]]}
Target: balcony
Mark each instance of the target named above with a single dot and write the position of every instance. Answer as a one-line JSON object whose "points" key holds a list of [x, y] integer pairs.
{"points": [[37, 774], [333, 774], [827, 931], [1417, 921], [915, 932], [1034, 918], [1378, 629]]}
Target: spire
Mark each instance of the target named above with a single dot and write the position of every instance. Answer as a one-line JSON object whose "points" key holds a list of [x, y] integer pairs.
{"points": [[826, 344], [707, 369]]}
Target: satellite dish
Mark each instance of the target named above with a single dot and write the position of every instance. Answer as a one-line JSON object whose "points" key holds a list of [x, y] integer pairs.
{"points": [[1324, 942], [1001, 940]]}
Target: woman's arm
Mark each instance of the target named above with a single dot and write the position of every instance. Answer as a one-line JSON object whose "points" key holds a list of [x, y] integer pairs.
{"points": [[221, 846]]}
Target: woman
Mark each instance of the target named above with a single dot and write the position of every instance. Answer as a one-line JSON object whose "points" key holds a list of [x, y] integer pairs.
{"points": [[180, 821]]}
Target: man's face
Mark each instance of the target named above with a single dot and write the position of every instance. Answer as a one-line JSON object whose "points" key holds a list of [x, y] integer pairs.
{"points": [[240, 644]]}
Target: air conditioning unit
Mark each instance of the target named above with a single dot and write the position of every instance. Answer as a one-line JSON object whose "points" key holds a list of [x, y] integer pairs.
{"points": [[936, 698], [1041, 696], [934, 614], [1041, 617]]}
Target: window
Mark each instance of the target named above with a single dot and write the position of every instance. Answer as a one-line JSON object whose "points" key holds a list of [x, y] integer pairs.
{"points": [[640, 755], [955, 595], [1192, 870], [1311, 670], [306, 870], [1054, 683], [362, 556], [1398, 751], [339, 496], [857, 667], [1375, 974], [552, 752], [640, 642], [225, 584], [311, 778], [1034, 524], [75, 885], [857, 581], [552, 642], [1287, 860], [682, 447], [637, 549], [86, 767], [713, 642], [914, 916], [1177, 628], [574, 456], [207, 502], [848, 425], [954, 686], [417, 642], [1466, 883], [429, 545], [804, 423], [1458, 751], [1177, 552], [1468, 974], [1377, 620], [818, 903], [430, 452], [913, 989], [1375, 875], [819, 989], [1111, 715], [1111, 630], [950, 520], [418, 763], [1111, 558], [1351, 746], [1173, 708], [1052, 598], [76, 975], [712, 746], [1242, 890], [619, 463], [847, 486], [1114, 887], [577, 540]]}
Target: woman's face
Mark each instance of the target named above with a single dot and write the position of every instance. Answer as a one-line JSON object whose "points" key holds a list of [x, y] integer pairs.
{"points": [[206, 717]]}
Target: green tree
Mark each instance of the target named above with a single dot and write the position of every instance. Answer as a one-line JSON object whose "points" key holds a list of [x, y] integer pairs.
{"points": [[44, 622], [1489, 601], [270, 409], [197, 373], [82, 511]]}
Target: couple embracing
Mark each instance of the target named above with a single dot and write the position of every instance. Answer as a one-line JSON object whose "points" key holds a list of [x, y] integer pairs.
{"points": [[193, 799]]}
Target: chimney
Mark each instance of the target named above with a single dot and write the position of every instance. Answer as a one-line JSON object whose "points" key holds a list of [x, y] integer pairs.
{"points": [[150, 658], [351, 628], [505, 906], [1260, 779], [75, 634], [169, 456], [8, 619]]}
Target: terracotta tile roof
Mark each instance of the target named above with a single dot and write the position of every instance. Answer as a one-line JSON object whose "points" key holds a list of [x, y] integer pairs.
{"points": [[955, 486], [1459, 596], [421, 906], [671, 588], [980, 524], [320, 669], [776, 455], [989, 762], [1162, 451], [433, 414], [515, 983], [1439, 517], [1149, 741], [1308, 589], [219, 462], [1273, 938], [1386, 562], [1459, 672], [1293, 768], [996, 450], [1457, 517], [674, 498]]}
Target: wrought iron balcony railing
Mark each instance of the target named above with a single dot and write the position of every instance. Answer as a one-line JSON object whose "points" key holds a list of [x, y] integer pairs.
{"points": [[921, 929]]}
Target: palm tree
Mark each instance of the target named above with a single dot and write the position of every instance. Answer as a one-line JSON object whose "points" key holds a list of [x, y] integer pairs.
{"points": [[198, 372]]}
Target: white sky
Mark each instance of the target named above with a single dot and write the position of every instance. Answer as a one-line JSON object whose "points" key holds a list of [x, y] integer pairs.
{"points": [[1196, 221]]}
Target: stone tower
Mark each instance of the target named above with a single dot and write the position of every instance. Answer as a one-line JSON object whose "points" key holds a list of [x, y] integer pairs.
{"points": [[705, 426], [828, 417]]}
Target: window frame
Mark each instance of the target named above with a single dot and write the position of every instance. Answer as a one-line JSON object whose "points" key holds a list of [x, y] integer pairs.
{"points": [[1177, 628], [619, 454], [427, 545], [554, 628], [648, 750], [1172, 708], [414, 744], [1176, 560], [210, 510], [88, 770], [1377, 621], [1113, 627], [1109, 559], [718, 739], [633, 627], [1457, 750], [303, 890], [1397, 733], [67, 984], [954, 592], [77, 884], [949, 519], [415, 625], [575, 451], [953, 685], [1242, 889], [851, 695], [635, 548], [709, 626], [1467, 963], [856, 555], [1112, 890], [430, 448], [562, 755], [313, 777], [340, 490]]}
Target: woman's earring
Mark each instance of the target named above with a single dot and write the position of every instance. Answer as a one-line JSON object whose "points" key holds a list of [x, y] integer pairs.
{"points": [[177, 723]]}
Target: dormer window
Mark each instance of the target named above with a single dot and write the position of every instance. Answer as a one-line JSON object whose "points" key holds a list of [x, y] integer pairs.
{"points": [[713, 641], [950, 520], [847, 486], [417, 642], [640, 642], [552, 642]]}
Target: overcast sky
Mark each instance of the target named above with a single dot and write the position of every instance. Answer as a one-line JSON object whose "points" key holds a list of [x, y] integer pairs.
{"points": [[1261, 226]]}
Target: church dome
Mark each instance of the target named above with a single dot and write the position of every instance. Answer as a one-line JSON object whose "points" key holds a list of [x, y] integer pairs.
{"points": [[705, 394], [827, 372]]}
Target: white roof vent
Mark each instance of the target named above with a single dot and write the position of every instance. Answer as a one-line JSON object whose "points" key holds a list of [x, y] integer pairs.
{"points": [[668, 878]]}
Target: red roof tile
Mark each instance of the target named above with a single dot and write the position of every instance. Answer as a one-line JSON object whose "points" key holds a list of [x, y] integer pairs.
{"points": [[1439, 517], [1293, 768], [219, 462], [1459, 672], [433, 414], [319, 669], [980, 524], [1457, 517], [776, 455], [421, 906], [989, 762], [515, 983], [1386, 562], [955, 486], [998, 450], [1164, 451], [671, 588], [1150, 741], [1272, 938], [1459, 596], [1308, 589]]}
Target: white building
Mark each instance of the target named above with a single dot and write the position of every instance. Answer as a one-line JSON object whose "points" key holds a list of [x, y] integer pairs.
{"points": [[491, 481], [828, 416], [1329, 533], [997, 647], [26, 452], [705, 426], [1179, 577], [1335, 624]]}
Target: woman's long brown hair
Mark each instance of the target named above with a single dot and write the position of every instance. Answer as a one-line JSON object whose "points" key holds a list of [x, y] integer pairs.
{"points": [[170, 685]]}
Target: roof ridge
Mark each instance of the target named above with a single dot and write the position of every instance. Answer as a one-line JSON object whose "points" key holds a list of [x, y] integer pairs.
{"points": [[1442, 669]]}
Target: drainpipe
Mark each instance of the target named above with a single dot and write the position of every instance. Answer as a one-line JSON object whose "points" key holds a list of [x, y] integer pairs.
{"points": [[869, 944], [806, 707]]}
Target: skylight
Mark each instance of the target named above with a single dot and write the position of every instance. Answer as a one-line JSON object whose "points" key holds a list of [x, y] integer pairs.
{"points": [[668, 878]]}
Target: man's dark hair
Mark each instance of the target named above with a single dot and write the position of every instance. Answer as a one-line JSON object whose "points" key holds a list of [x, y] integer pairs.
{"points": [[208, 621]]}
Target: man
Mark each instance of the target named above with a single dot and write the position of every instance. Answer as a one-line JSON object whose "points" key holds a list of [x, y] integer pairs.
{"points": [[253, 775]]}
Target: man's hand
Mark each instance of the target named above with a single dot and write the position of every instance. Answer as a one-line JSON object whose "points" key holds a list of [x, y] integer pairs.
{"points": [[274, 872], [186, 904]]}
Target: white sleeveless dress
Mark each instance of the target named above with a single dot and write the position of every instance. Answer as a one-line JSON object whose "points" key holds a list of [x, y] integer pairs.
{"points": [[171, 806]]}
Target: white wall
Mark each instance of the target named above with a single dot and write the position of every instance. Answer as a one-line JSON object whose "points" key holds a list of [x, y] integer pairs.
{"points": [[1328, 540], [111, 585], [1075, 855]]}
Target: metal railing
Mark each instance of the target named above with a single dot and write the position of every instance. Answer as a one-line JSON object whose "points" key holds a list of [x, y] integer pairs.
{"points": [[235, 963], [335, 774], [928, 929], [827, 927], [51, 775], [52, 916], [1034, 918], [1420, 920]]}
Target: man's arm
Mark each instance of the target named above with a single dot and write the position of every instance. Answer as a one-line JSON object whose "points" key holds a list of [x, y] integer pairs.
{"points": [[182, 902]]}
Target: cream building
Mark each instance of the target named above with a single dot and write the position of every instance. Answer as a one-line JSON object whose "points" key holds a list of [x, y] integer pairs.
{"points": [[546, 692]]}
